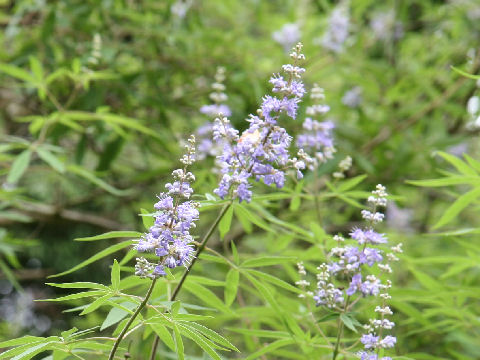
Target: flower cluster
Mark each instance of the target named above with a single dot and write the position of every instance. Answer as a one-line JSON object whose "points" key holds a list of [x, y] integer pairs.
{"points": [[287, 36], [169, 238], [261, 152], [338, 27], [350, 263], [206, 147], [317, 140]]}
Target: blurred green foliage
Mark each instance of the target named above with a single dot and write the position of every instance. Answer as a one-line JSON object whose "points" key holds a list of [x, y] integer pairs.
{"points": [[96, 98]]}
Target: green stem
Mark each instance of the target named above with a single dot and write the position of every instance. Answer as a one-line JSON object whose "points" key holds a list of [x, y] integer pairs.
{"points": [[134, 316], [340, 331], [200, 249]]}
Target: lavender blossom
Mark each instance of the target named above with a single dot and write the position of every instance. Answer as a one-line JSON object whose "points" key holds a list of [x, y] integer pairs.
{"points": [[261, 152], [169, 238], [317, 139], [385, 27], [287, 36], [353, 97], [206, 145], [338, 29], [350, 263]]}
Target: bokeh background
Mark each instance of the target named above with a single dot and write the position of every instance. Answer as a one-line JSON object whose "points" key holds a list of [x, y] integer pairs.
{"points": [[97, 96]]}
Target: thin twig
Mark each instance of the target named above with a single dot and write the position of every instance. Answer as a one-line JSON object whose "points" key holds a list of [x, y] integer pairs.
{"points": [[134, 316]]}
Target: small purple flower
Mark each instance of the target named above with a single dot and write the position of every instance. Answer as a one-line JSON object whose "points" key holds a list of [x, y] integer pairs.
{"points": [[369, 341], [355, 284], [372, 256], [388, 341], [371, 286]]}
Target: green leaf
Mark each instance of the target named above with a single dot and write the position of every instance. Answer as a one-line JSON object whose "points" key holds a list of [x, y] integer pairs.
{"points": [[115, 275], [116, 314], [348, 321], [112, 235], [262, 333], [148, 220], [76, 296], [226, 222], [205, 295], [213, 336], [270, 347], [164, 335], [79, 285], [461, 203], [178, 343], [19, 165], [36, 67], [17, 72], [32, 351], [105, 252], [200, 341], [176, 307], [267, 261], [96, 181], [452, 180], [350, 183], [68, 333], [475, 164], [51, 159], [329, 317], [245, 213], [28, 339], [462, 167], [96, 304], [461, 72], [275, 281], [231, 286], [236, 258], [244, 220]]}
